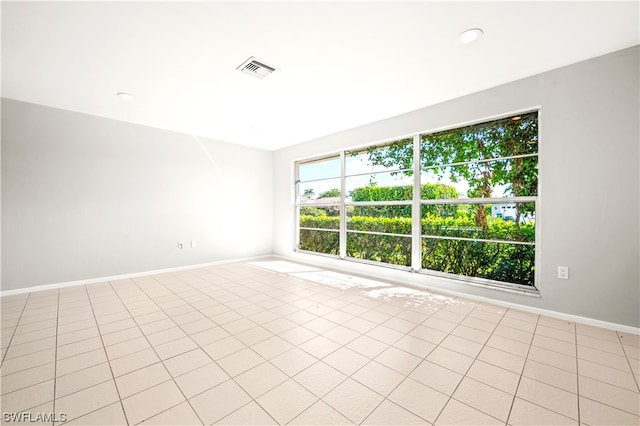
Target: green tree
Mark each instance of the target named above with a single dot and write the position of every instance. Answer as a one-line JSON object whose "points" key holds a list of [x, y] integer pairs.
{"points": [[335, 192], [308, 193], [429, 191], [472, 152], [312, 211]]}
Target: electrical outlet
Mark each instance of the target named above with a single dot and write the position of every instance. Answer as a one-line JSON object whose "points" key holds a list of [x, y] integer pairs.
{"points": [[193, 243], [563, 272]]}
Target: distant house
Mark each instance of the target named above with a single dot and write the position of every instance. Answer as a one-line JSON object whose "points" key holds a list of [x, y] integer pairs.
{"points": [[327, 200], [505, 211], [508, 211]]}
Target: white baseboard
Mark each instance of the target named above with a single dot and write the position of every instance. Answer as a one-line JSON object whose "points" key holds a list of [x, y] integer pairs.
{"points": [[526, 308], [54, 286]]}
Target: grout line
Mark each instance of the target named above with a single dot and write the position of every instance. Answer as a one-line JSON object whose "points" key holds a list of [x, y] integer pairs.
{"points": [[27, 386], [635, 378], [450, 397], [55, 355], [107, 358], [26, 300], [526, 358], [154, 349], [228, 289]]}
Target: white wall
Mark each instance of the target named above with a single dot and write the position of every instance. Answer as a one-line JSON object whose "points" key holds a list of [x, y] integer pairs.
{"points": [[88, 197], [589, 159]]}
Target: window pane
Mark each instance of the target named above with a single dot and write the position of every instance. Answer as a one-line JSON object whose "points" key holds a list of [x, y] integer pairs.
{"points": [[500, 138], [393, 156], [379, 248], [320, 241], [319, 169], [324, 218], [502, 178], [508, 221], [321, 191], [380, 187], [505, 262], [388, 219]]}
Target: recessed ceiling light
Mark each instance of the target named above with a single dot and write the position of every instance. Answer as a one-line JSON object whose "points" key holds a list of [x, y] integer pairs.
{"points": [[126, 96], [471, 35]]}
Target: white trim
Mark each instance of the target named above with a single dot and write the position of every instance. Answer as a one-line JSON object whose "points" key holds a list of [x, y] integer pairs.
{"points": [[378, 172], [546, 312], [539, 209], [416, 207], [520, 289], [380, 203], [484, 160], [342, 242], [355, 231], [307, 228], [491, 200], [483, 240], [54, 286], [540, 311]]}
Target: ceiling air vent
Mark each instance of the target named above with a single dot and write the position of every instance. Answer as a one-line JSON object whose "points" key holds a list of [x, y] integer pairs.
{"points": [[255, 68]]}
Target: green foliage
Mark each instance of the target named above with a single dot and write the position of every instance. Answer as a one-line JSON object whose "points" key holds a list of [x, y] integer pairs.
{"points": [[398, 154], [463, 226], [380, 248], [428, 191], [335, 192], [323, 222], [308, 193], [320, 241], [496, 139], [397, 225], [312, 211], [497, 261]]}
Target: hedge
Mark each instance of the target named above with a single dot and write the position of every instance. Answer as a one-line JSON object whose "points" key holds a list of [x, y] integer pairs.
{"points": [[497, 261], [428, 191]]}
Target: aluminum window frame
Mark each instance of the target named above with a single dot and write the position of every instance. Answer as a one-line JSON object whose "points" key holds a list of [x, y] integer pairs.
{"points": [[417, 202]]}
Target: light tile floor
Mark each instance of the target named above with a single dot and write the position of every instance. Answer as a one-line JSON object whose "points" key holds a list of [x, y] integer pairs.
{"points": [[273, 342]]}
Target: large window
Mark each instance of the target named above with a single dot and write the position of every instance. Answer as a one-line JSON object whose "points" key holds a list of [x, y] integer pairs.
{"points": [[467, 208]]}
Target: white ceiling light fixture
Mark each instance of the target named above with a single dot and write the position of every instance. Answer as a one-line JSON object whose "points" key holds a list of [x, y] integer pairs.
{"points": [[471, 35], [255, 68], [126, 96]]}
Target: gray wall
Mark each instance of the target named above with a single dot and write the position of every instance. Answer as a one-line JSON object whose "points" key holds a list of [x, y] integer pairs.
{"points": [[88, 197], [589, 201]]}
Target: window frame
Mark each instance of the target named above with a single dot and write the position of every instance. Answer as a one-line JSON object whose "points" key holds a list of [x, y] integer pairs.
{"points": [[417, 204]]}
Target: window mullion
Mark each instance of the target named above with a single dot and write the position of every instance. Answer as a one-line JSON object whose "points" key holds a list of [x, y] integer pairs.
{"points": [[296, 214], [416, 207], [343, 208]]}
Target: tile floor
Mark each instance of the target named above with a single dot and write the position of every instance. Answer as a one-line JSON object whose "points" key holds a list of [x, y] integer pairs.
{"points": [[272, 342]]}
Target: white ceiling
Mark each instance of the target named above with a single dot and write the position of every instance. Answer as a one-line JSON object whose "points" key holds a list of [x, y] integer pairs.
{"points": [[339, 65]]}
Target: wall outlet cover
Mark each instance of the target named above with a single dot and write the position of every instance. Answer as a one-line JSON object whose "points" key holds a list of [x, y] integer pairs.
{"points": [[563, 272]]}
